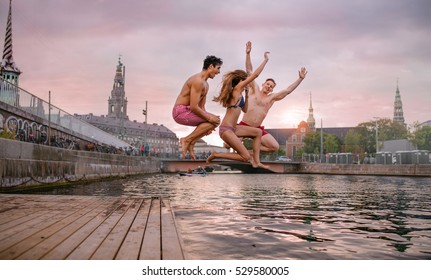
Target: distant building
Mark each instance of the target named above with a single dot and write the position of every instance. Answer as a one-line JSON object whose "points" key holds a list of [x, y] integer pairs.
{"points": [[9, 71], [398, 108], [310, 120], [291, 139], [157, 139], [397, 145], [297, 139], [281, 135], [427, 123]]}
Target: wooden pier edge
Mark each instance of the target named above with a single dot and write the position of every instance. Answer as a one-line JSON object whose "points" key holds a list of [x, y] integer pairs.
{"points": [[179, 244], [88, 227]]}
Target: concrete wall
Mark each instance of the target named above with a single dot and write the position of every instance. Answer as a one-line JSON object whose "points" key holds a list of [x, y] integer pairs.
{"points": [[311, 168], [366, 169], [25, 164]]}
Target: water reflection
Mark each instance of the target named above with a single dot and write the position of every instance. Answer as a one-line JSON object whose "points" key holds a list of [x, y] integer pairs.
{"points": [[281, 216]]}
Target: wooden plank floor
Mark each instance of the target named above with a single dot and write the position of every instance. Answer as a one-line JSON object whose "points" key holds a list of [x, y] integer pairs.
{"points": [[87, 227]]}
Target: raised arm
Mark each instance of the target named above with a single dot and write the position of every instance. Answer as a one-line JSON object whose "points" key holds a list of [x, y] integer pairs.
{"points": [[285, 92], [248, 66], [255, 74], [254, 88]]}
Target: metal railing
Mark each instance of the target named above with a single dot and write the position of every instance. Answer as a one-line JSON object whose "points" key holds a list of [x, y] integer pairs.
{"points": [[23, 100]]}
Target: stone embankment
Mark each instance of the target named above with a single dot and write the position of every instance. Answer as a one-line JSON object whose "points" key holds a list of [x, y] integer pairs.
{"points": [[366, 169], [25, 164]]}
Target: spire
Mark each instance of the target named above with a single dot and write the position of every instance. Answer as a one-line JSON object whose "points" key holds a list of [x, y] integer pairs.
{"points": [[7, 64], [398, 107], [311, 121], [119, 77], [117, 101], [9, 72]]}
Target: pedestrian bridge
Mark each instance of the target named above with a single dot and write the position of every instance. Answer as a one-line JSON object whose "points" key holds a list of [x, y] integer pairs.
{"points": [[178, 165]]}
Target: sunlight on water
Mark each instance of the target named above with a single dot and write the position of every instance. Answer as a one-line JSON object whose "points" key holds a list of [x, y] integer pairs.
{"points": [[281, 216]]}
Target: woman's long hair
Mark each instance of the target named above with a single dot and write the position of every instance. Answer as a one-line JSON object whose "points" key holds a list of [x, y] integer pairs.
{"points": [[229, 81]]}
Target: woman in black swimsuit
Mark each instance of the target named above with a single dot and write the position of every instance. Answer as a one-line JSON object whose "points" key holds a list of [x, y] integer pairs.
{"points": [[231, 98]]}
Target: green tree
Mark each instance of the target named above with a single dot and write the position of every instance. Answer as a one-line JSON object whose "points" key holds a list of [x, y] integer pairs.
{"points": [[421, 137], [386, 130], [312, 143], [331, 143], [353, 142]]}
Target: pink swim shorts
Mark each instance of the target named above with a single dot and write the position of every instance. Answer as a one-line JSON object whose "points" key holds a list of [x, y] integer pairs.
{"points": [[223, 128], [183, 115]]}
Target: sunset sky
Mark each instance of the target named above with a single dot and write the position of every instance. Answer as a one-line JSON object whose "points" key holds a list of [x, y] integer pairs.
{"points": [[354, 52]]}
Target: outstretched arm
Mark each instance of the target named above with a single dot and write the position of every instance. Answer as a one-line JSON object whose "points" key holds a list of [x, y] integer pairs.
{"points": [[285, 92], [255, 74]]}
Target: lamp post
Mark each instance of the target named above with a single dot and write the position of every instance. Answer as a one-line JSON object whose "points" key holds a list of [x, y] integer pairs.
{"points": [[377, 137], [377, 134], [321, 140], [49, 118], [145, 113]]}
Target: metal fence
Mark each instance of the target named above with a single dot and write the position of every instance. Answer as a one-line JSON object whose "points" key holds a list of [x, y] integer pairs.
{"points": [[25, 101]]}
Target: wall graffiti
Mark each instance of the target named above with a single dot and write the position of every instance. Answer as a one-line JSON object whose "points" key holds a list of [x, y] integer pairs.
{"points": [[34, 132], [25, 130], [1, 123]]}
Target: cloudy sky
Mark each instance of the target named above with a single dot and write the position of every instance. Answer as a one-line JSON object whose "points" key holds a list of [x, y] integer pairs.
{"points": [[354, 52]]}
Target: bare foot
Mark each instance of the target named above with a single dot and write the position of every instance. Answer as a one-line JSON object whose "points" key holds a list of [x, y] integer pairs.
{"points": [[261, 165], [184, 147], [192, 152], [211, 157]]}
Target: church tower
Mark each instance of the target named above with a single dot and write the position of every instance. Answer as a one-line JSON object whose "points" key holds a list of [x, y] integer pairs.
{"points": [[398, 108], [9, 71], [310, 120], [117, 103]]}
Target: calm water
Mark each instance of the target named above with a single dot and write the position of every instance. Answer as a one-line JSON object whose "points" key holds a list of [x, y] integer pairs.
{"points": [[267, 216]]}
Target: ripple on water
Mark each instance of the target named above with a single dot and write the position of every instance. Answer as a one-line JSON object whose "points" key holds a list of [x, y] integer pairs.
{"points": [[282, 216]]}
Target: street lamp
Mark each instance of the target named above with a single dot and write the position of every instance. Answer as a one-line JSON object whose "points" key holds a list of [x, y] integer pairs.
{"points": [[145, 113], [321, 140], [377, 134]]}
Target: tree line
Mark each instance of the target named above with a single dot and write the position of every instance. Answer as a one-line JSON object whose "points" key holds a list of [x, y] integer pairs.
{"points": [[362, 139]]}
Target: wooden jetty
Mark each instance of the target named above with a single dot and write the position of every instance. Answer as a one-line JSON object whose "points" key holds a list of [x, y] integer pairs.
{"points": [[62, 227]]}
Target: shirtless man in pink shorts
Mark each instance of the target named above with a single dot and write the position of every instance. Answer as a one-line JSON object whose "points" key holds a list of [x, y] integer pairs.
{"points": [[189, 108]]}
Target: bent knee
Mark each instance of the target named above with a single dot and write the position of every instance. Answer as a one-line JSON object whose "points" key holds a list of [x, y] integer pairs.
{"points": [[273, 147]]}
